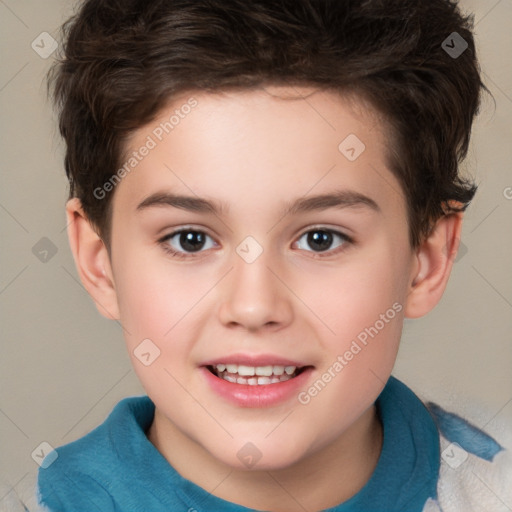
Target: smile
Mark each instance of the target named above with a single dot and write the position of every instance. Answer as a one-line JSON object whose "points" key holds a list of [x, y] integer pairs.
{"points": [[255, 375], [263, 381]]}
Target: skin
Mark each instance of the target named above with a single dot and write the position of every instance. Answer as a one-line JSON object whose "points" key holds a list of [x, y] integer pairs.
{"points": [[256, 151]]}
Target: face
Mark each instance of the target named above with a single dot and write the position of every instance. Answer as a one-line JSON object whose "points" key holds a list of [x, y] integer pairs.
{"points": [[261, 262]]}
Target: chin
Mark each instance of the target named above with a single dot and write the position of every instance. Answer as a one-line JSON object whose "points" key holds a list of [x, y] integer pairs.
{"points": [[259, 455]]}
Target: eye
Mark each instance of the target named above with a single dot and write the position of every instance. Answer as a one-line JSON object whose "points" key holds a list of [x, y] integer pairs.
{"points": [[186, 241], [321, 240]]}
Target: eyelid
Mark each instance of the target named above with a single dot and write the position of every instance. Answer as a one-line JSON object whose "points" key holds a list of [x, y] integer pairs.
{"points": [[325, 227], [185, 227]]}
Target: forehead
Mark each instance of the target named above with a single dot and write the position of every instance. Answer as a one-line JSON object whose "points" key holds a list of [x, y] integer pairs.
{"points": [[270, 143]]}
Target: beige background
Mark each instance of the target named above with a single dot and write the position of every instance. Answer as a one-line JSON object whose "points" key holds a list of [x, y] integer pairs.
{"points": [[63, 367]]}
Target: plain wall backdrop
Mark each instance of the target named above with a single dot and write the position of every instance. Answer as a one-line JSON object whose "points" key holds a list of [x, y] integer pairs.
{"points": [[63, 366]]}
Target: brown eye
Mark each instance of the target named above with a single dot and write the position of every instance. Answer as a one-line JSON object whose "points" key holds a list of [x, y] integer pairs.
{"points": [[186, 241], [322, 240], [192, 241]]}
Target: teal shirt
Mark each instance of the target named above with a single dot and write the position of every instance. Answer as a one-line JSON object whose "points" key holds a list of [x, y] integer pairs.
{"points": [[116, 468]]}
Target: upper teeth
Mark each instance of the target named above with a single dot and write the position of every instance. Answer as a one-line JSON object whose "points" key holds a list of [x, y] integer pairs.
{"points": [[249, 371]]}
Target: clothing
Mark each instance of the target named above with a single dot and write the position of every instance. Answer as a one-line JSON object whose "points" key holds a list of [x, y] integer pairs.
{"points": [[116, 468]]}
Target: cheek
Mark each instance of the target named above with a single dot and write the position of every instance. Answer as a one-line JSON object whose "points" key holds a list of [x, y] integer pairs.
{"points": [[155, 297], [353, 298], [157, 313]]}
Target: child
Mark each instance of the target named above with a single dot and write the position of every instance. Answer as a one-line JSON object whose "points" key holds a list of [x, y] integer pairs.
{"points": [[261, 192]]}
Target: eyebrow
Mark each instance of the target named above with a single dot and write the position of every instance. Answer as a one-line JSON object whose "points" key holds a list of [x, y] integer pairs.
{"points": [[189, 203], [336, 199]]}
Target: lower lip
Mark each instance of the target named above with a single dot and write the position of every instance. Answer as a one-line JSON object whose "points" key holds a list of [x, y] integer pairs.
{"points": [[266, 395]]}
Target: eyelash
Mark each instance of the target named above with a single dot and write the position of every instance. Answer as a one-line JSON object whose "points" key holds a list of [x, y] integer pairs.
{"points": [[317, 255]]}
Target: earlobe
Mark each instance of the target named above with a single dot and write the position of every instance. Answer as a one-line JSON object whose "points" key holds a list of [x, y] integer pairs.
{"points": [[92, 260], [434, 261]]}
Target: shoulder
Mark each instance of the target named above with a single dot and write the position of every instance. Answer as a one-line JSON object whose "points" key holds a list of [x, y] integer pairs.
{"points": [[82, 472], [476, 468]]}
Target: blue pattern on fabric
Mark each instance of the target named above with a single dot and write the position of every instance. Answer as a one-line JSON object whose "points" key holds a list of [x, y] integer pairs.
{"points": [[457, 430]]}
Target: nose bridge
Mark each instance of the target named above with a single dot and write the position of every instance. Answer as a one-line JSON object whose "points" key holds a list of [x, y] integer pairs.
{"points": [[253, 296]]}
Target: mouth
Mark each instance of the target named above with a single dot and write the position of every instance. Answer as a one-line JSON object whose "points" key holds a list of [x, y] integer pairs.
{"points": [[255, 375], [256, 380]]}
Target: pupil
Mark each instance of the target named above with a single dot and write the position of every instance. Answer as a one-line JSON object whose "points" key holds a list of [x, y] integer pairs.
{"points": [[321, 240], [192, 240]]}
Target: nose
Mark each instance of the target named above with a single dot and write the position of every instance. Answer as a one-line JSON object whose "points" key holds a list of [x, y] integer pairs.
{"points": [[255, 296]]}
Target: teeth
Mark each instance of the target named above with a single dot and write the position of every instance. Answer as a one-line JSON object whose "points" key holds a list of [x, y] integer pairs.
{"points": [[255, 381], [265, 371], [254, 375], [278, 370], [260, 371], [246, 371]]}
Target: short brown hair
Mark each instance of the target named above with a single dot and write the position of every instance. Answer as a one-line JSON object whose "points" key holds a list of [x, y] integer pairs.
{"points": [[123, 60]]}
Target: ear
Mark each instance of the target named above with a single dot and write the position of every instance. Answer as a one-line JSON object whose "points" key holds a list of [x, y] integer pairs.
{"points": [[92, 260], [433, 265]]}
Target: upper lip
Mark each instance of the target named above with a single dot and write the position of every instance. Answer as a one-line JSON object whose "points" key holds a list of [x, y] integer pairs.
{"points": [[254, 360]]}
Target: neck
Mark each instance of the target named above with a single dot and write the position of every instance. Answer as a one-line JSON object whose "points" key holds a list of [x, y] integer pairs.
{"points": [[321, 480]]}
